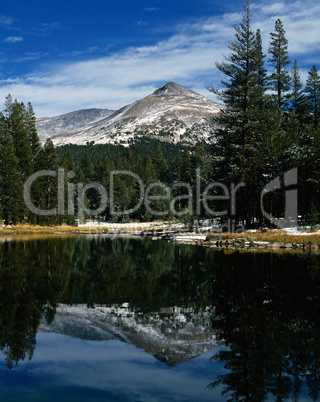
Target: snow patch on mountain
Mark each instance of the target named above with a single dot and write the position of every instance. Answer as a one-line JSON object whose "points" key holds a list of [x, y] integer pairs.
{"points": [[50, 126]]}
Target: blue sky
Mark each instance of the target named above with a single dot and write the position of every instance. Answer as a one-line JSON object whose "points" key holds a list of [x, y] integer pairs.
{"points": [[65, 55]]}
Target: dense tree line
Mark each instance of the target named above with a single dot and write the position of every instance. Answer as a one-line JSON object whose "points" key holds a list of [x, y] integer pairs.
{"points": [[133, 170], [140, 147], [270, 124], [21, 155]]}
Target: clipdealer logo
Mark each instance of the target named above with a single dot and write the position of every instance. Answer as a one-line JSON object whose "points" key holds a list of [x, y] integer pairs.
{"points": [[67, 197], [290, 179]]}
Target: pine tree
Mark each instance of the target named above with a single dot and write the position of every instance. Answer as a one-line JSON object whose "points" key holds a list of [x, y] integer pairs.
{"points": [[297, 107], [10, 181], [149, 177], [32, 135], [20, 122], [8, 108], [67, 163], [102, 171], [70, 197], [240, 66], [280, 80], [48, 186], [312, 91], [35, 161], [150, 172], [86, 167], [160, 164], [17, 125], [261, 72], [249, 139], [239, 136], [296, 98], [268, 124]]}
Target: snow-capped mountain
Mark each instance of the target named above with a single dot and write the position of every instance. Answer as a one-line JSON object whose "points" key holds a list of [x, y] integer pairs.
{"points": [[172, 113]]}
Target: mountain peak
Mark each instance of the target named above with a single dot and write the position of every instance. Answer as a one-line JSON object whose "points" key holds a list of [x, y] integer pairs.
{"points": [[171, 88], [172, 113]]}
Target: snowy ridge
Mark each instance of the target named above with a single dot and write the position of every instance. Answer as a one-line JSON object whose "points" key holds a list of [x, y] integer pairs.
{"points": [[172, 113], [173, 335], [50, 126]]}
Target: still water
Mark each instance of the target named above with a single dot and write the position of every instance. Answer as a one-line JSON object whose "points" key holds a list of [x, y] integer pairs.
{"points": [[138, 320]]}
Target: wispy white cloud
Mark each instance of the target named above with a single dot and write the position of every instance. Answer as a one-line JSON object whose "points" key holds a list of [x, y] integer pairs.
{"points": [[151, 9], [187, 57], [274, 8], [142, 23], [77, 53], [30, 56], [50, 26], [13, 39], [47, 28], [5, 21], [300, 20]]}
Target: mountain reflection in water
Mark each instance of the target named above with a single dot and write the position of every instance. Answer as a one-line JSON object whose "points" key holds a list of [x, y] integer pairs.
{"points": [[180, 301]]}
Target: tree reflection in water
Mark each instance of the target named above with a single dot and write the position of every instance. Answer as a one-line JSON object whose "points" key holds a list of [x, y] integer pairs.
{"points": [[267, 312], [32, 275], [266, 305], [37, 274]]}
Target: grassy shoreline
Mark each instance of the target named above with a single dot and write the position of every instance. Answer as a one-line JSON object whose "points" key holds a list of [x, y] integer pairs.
{"points": [[278, 236], [112, 228], [150, 227]]}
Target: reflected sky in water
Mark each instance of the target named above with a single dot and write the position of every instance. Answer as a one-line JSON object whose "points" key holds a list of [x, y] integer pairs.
{"points": [[66, 368]]}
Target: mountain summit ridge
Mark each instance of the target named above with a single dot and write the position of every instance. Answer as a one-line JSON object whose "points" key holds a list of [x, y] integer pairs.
{"points": [[171, 113], [172, 88]]}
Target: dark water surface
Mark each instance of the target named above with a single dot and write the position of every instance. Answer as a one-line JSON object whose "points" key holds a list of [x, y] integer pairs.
{"points": [[138, 320]]}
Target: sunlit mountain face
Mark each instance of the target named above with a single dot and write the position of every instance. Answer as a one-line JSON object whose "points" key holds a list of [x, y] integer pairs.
{"points": [[171, 113]]}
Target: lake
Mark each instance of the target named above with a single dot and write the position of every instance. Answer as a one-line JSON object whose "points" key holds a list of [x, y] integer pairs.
{"points": [[118, 319]]}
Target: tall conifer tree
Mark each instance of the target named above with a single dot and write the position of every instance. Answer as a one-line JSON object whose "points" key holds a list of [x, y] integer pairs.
{"points": [[312, 90], [33, 136], [17, 125], [297, 98], [297, 107], [280, 80], [238, 137], [10, 181], [160, 164], [261, 72], [48, 185]]}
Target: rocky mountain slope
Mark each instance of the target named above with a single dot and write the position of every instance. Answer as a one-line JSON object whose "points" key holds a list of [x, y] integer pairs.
{"points": [[171, 113], [51, 126]]}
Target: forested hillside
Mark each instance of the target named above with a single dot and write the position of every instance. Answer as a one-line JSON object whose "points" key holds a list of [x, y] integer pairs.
{"points": [[141, 147]]}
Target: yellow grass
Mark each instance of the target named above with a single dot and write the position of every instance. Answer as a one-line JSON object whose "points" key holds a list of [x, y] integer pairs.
{"points": [[259, 251], [279, 236], [270, 236], [107, 228]]}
